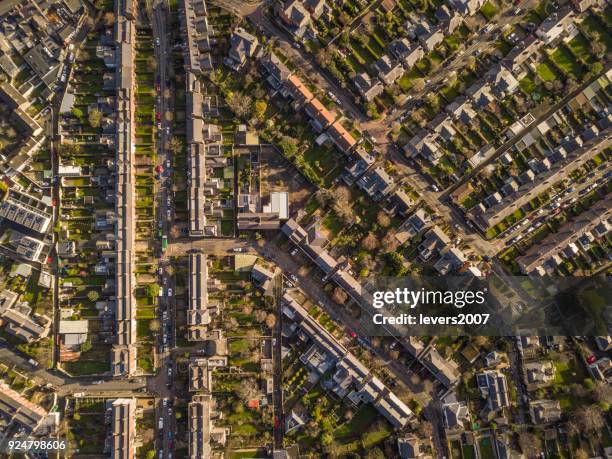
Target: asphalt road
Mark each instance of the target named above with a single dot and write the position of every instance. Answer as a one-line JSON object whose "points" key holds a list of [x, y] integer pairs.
{"points": [[162, 383]]}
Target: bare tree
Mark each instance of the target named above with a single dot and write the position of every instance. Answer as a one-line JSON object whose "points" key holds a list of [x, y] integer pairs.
{"points": [[109, 19], [481, 341], [590, 418], [369, 242], [342, 195], [383, 219], [572, 428], [323, 196], [270, 320], [154, 325], [603, 393], [240, 104], [339, 296], [152, 63], [247, 389], [418, 84], [425, 429], [175, 145], [581, 454], [389, 243], [260, 315], [530, 444]]}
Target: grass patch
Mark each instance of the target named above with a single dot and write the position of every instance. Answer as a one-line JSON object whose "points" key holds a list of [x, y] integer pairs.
{"points": [[488, 10], [545, 72], [566, 62]]}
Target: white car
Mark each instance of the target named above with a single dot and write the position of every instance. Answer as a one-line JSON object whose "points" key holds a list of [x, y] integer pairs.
{"points": [[238, 249], [169, 292], [293, 277]]}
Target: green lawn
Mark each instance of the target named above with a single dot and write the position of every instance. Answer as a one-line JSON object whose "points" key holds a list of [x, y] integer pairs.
{"points": [[527, 85], [358, 424], [592, 25], [545, 72], [488, 10], [581, 48], [86, 367], [566, 62]]}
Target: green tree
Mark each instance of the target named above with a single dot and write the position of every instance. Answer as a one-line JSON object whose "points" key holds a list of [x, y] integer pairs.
{"points": [[95, 118], [154, 325], [260, 109], [93, 295], [152, 290], [288, 146]]}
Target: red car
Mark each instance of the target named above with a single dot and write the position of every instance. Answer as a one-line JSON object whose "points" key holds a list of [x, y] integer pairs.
{"points": [[157, 87], [351, 333], [158, 116], [591, 359]]}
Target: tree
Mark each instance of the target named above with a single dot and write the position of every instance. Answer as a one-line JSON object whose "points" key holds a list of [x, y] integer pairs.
{"points": [[598, 48], [603, 393], [418, 85], [260, 315], [260, 109], [154, 326], [389, 243], [369, 242], [176, 145], [93, 295], [530, 444], [590, 419], [339, 296], [240, 104], [425, 429], [481, 341], [572, 428], [247, 389], [288, 146], [109, 19], [152, 290], [94, 117], [270, 320], [152, 63], [342, 195], [383, 219], [323, 196], [581, 454], [323, 57], [86, 346]]}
